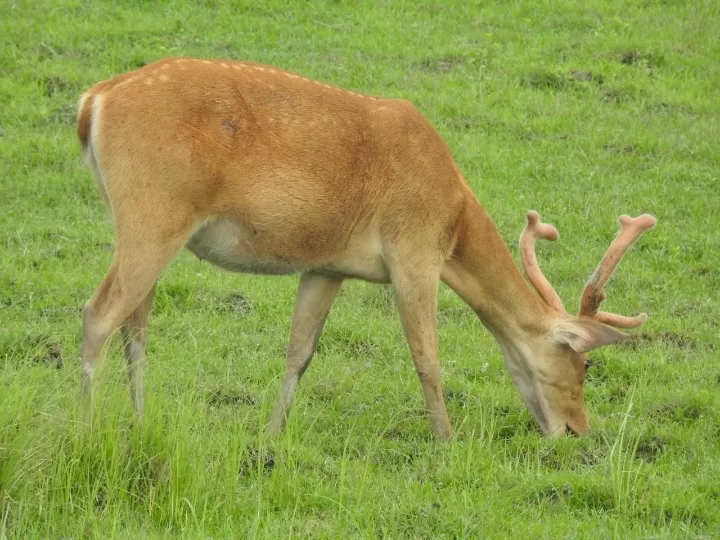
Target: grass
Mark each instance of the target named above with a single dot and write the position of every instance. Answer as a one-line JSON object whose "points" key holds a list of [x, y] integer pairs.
{"points": [[583, 111]]}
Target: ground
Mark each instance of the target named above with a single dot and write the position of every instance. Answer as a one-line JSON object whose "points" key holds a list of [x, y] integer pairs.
{"points": [[582, 111]]}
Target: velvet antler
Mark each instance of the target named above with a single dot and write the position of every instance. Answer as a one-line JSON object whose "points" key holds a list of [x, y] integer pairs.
{"points": [[630, 230], [535, 229]]}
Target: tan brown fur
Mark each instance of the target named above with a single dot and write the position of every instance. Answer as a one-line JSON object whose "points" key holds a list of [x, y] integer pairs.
{"points": [[261, 170]]}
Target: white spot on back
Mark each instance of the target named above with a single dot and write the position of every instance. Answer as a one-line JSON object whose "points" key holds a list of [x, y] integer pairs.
{"points": [[127, 81]]}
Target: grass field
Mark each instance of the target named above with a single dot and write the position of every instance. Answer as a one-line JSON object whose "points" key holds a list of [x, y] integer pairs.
{"points": [[581, 110]]}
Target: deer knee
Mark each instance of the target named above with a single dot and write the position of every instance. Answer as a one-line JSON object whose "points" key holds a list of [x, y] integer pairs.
{"points": [[95, 332], [428, 375]]}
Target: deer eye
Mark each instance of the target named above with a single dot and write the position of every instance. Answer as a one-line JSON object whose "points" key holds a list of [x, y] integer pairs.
{"points": [[588, 363]]}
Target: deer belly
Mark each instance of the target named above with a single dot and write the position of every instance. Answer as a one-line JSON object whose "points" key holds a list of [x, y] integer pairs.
{"points": [[232, 246]]}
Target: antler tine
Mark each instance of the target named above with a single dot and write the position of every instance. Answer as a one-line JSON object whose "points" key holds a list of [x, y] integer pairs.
{"points": [[630, 230], [535, 229], [620, 321]]}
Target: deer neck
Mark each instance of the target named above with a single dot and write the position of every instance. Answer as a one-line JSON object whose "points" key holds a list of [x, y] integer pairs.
{"points": [[483, 272]]}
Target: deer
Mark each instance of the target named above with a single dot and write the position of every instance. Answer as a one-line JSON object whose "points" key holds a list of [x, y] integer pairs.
{"points": [[260, 170]]}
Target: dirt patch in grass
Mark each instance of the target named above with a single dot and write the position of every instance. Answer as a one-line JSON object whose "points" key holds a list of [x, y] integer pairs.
{"points": [[650, 449], [256, 460], [545, 80], [381, 298], [578, 458], [702, 271], [663, 516], [666, 339], [398, 434], [591, 455], [150, 472], [618, 393], [557, 80], [63, 114], [620, 148], [512, 423], [105, 246], [596, 498], [462, 122], [399, 450], [53, 51], [229, 398], [668, 108], [634, 57], [452, 311], [587, 76], [619, 95], [551, 458], [38, 349], [54, 85], [52, 353], [442, 64], [324, 392], [457, 396], [552, 494], [354, 344], [679, 412], [235, 303]]}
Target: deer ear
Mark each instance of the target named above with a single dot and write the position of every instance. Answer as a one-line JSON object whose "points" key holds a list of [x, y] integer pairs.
{"points": [[583, 335]]}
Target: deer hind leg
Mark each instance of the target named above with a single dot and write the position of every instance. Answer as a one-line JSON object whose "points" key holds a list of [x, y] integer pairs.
{"points": [[135, 336], [316, 294], [148, 237], [416, 288]]}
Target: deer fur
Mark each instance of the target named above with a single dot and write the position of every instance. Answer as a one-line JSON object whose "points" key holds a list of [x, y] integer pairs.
{"points": [[260, 170]]}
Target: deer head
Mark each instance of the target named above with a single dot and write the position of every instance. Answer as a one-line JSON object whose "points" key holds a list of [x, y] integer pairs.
{"points": [[559, 404]]}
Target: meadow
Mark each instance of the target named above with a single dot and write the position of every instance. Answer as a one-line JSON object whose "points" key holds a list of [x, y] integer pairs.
{"points": [[581, 110]]}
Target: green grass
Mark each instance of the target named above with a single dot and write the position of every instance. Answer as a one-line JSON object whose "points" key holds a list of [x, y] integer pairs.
{"points": [[582, 111]]}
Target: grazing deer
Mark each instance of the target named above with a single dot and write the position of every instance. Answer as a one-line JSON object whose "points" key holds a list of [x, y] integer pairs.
{"points": [[260, 170]]}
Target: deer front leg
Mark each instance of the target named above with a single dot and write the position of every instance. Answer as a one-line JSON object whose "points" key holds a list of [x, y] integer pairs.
{"points": [[134, 331], [316, 294], [417, 293]]}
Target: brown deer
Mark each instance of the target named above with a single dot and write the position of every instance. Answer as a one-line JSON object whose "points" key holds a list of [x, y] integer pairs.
{"points": [[260, 170]]}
